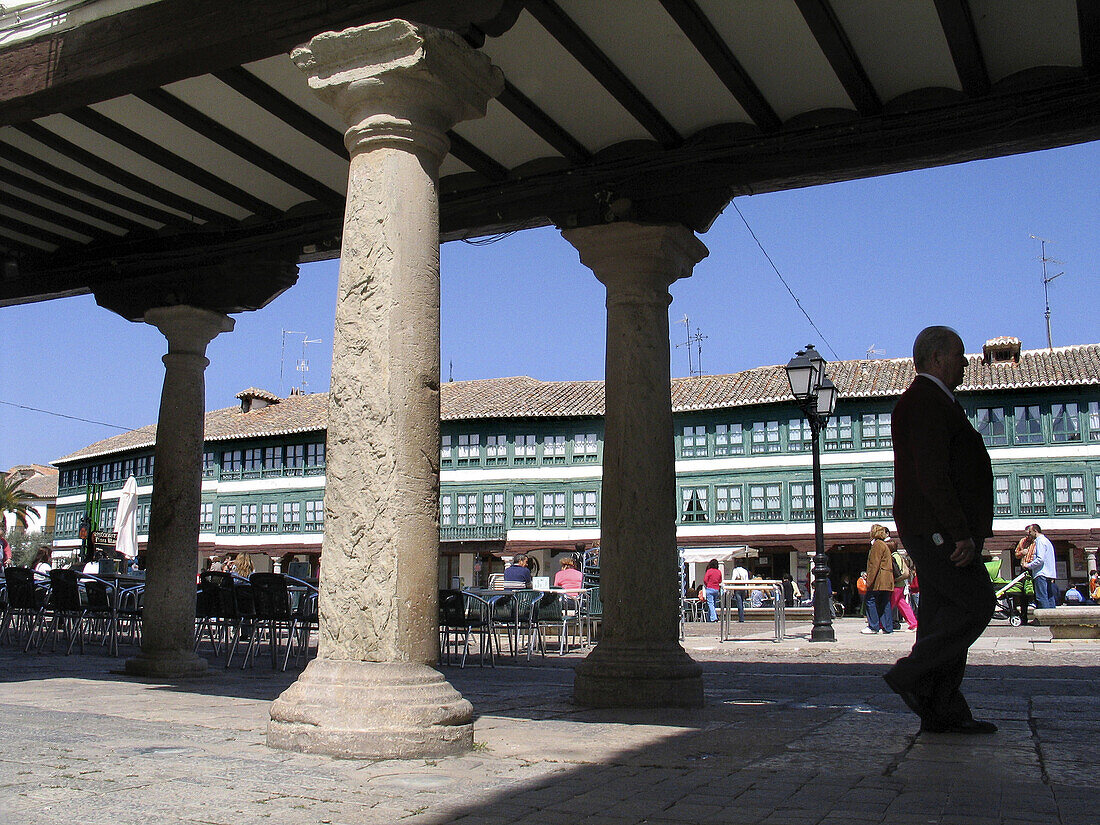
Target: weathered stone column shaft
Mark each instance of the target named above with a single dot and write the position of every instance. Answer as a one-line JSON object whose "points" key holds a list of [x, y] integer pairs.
{"points": [[370, 691], [168, 625], [638, 659]]}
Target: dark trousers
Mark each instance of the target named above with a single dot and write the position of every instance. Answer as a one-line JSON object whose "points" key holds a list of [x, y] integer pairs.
{"points": [[956, 604]]}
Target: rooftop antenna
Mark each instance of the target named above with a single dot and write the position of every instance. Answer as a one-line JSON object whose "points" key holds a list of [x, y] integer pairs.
{"points": [[282, 353], [450, 371], [303, 362], [698, 338], [687, 342], [1046, 282], [872, 352]]}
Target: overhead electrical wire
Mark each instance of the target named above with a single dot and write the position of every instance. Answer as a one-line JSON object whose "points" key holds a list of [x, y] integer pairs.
{"points": [[70, 417], [784, 281]]}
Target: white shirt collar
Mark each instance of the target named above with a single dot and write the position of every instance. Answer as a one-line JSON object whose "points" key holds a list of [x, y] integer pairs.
{"points": [[939, 384]]}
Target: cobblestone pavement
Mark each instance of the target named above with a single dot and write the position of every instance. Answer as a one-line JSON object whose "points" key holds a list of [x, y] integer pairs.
{"points": [[793, 733]]}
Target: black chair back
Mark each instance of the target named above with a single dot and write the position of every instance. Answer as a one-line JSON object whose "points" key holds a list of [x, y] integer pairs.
{"points": [[270, 597], [22, 593], [65, 591], [219, 596]]}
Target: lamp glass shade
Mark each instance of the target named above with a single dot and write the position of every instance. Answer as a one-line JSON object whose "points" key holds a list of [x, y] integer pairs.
{"points": [[800, 374], [826, 397]]}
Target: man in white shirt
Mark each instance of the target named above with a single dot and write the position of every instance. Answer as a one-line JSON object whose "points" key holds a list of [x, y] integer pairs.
{"points": [[740, 574], [1043, 568]]}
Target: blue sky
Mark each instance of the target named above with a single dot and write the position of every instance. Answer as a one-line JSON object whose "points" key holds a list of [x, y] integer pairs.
{"points": [[872, 261]]}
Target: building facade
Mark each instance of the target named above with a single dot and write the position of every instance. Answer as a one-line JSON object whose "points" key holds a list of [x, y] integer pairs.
{"points": [[521, 461]]}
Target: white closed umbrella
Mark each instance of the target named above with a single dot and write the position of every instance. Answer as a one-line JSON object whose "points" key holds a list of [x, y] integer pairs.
{"points": [[126, 520]]}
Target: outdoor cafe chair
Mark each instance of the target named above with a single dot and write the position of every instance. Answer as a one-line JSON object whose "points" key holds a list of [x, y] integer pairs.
{"points": [[592, 613], [227, 605], [469, 614], [271, 616], [25, 612], [557, 611], [303, 621], [72, 610], [514, 614]]}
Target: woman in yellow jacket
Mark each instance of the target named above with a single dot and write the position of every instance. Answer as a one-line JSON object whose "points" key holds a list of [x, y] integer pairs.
{"points": [[880, 584]]}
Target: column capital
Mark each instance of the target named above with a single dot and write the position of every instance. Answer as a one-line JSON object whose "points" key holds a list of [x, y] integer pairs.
{"points": [[398, 83], [626, 251], [188, 329]]}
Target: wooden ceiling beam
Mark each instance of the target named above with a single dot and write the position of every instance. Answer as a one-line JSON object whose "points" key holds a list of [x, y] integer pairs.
{"points": [[562, 28], [22, 206], [243, 148], [13, 224], [838, 50], [160, 43], [166, 159], [248, 85], [962, 40], [542, 124], [706, 40], [120, 176], [14, 180], [475, 158], [1088, 26]]}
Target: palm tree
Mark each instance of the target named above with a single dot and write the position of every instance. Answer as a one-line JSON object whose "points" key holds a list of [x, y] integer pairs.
{"points": [[14, 500]]}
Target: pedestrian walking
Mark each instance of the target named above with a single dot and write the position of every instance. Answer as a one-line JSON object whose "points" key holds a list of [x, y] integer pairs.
{"points": [[943, 507]]}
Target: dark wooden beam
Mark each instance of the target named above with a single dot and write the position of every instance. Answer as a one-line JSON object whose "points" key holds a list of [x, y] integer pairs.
{"points": [[562, 28], [120, 176], [706, 40], [152, 151], [16, 248], [23, 206], [160, 43], [245, 149], [830, 36], [10, 179], [1088, 25], [542, 124], [962, 39], [475, 158], [248, 85], [13, 224]]}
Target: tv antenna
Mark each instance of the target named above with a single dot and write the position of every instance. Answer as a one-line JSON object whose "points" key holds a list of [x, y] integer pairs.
{"points": [[872, 351], [698, 338], [687, 341], [302, 364], [1046, 281]]}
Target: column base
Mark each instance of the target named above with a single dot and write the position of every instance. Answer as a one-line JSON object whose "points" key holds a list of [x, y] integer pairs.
{"points": [[166, 664], [638, 675], [371, 710]]}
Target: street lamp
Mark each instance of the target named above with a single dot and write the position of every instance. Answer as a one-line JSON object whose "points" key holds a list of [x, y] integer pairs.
{"points": [[816, 395]]}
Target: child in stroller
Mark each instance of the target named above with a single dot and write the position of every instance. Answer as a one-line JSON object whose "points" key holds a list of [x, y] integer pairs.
{"points": [[1013, 597]]}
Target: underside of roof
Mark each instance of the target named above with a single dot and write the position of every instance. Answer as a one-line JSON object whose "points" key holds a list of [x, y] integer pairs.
{"points": [[166, 135]]}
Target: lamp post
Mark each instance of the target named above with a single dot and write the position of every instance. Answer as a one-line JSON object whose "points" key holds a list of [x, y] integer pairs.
{"points": [[815, 395]]}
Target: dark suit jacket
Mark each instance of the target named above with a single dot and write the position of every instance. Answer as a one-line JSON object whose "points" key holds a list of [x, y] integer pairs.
{"points": [[943, 479]]}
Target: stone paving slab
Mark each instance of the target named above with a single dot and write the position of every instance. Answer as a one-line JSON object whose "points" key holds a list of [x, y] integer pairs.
{"points": [[793, 733]]}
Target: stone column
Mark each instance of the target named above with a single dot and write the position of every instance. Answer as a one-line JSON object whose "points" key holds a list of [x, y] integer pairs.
{"points": [[371, 691], [639, 661], [168, 626], [1090, 559]]}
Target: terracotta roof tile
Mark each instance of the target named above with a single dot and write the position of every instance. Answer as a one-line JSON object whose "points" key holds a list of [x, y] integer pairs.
{"points": [[526, 397]]}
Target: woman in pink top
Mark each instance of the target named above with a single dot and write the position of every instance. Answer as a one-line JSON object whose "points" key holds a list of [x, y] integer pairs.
{"points": [[569, 577], [712, 581]]}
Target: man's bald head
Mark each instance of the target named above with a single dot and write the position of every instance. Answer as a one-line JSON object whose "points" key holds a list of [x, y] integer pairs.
{"points": [[933, 341]]}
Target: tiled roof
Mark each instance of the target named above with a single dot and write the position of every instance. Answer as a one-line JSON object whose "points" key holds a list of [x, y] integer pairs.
{"points": [[525, 397], [256, 392], [38, 481]]}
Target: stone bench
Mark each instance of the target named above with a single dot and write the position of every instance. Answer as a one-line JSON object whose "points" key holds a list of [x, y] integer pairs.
{"points": [[1070, 622]]}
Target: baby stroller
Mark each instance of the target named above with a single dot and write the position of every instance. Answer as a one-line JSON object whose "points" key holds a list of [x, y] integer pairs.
{"points": [[1012, 596]]}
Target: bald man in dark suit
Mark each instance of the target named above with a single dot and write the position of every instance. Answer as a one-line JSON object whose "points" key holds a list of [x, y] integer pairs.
{"points": [[943, 508]]}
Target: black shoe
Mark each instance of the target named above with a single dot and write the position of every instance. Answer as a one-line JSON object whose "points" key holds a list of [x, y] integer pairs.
{"points": [[913, 700], [970, 726]]}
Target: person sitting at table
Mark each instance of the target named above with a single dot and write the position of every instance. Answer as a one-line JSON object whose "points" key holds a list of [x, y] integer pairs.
{"points": [[241, 565], [43, 559], [518, 571], [569, 577]]}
